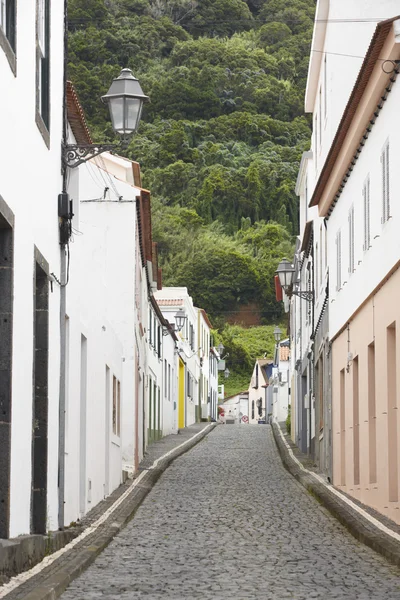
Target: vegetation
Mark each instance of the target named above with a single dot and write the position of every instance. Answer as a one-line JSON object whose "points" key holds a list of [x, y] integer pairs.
{"points": [[219, 144]]}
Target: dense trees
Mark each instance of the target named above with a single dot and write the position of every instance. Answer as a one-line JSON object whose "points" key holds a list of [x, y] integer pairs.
{"points": [[219, 144]]}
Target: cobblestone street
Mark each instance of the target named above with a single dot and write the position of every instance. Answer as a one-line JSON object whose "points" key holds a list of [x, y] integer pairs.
{"points": [[227, 521]]}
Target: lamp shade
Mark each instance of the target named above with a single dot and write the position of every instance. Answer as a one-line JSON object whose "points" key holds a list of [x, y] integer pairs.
{"points": [[285, 272], [220, 348], [277, 334], [180, 319], [125, 101]]}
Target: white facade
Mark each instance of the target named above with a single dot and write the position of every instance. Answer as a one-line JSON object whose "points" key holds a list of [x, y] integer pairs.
{"points": [[170, 300], [234, 410], [361, 268], [257, 408], [214, 358], [28, 209], [100, 334]]}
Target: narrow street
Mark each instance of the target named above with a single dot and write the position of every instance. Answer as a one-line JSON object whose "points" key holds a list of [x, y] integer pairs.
{"points": [[227, 521]]}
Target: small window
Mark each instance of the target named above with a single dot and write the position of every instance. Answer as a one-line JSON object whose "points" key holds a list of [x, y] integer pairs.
{"points": [[338, 260], [385, 183], [116, 414], [252, 409], [43, 61], [351, 239], [367, 214], [7, 21]]}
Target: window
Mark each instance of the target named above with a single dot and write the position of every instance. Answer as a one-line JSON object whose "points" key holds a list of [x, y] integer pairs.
{"points": [[351, 239], [320, 254], [159, 341], [338, 260], [150, 328], [169, 382], [165, 379], [320, 116], [7, 21], [316, 138], [252, 409], [116, 414], [43, 61], [316, 268], [367, 214], [385, 183], [325, 88]]}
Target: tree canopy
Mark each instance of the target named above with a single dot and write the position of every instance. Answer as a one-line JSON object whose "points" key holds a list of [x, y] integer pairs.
{"points": [[220, 142]]}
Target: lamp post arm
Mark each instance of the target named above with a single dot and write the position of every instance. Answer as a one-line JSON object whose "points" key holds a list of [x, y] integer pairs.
{"points": [[305, 295], [74, 155]]}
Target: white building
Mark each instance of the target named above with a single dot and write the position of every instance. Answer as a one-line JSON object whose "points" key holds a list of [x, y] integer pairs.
{"points": [[235, 409], [259, 382], [214, 359], [171, 300], [278, 393], [30, 113]]}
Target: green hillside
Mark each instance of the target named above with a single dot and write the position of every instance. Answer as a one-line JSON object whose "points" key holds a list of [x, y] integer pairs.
{"points": [[220, 143]]}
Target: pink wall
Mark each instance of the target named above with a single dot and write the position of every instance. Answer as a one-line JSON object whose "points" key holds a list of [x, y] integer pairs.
{"points": [[366, 421]]}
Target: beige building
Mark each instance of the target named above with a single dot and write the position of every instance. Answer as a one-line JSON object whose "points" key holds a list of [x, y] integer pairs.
{"points": [[357, 195]]}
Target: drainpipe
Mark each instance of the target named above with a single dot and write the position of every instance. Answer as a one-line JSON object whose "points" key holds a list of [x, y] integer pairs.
{"points": [[63, 290]]}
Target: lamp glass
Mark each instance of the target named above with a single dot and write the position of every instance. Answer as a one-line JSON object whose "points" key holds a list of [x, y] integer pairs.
{"points": [[277, 334], [133, 110], [116, 106], [227, 373], [285, 272], [180, 319], [220, 348]]}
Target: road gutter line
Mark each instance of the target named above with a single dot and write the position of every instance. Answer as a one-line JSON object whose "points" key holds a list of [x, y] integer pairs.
{"points": [[320, 479], [18, 580]]}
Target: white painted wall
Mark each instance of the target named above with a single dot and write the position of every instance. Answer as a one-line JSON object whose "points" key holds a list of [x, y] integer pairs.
{"points": [[371, 265], [189, 355], [344, 41], [100, 306], [30, 186]]}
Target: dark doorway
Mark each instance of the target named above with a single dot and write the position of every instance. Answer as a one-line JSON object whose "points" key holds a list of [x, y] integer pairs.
{"points": [[40, 398], [6, 322]]}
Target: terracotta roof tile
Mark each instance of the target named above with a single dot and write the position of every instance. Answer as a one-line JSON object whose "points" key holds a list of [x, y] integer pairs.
{"points": [[76, 117], [169, 301]]}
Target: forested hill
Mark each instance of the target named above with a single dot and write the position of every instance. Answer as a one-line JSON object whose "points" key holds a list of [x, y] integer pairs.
{"points": [[220, 143]]}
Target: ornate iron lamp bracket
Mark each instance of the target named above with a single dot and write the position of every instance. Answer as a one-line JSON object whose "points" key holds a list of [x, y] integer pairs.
{"points": [[74, 155], [309, 296]]}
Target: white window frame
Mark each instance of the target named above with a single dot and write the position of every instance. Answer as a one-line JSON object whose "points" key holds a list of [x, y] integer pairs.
{"points": [[385, 174]]}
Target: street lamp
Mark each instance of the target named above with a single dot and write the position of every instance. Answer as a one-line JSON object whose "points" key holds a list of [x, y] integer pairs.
{"points": [[227, 373], [277, 334], [220, 348], [180, 319], [125, 100], [285, 272]]}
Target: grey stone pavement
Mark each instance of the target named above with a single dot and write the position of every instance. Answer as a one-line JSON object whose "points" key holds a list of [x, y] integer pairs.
{"points": [[226, 520]]}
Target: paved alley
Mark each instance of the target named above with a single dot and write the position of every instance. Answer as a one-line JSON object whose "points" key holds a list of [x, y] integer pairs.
{"points": [[227, 521]]}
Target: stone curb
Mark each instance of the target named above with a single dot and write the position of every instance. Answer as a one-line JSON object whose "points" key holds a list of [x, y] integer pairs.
{"points": [[359, 526], [68, 570]]}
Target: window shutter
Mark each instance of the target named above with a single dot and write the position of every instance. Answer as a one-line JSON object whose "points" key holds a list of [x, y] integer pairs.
{"points": [[383, 163], [387, 182], [338, 261], [365, 208], [350, 242], [368, 206], [352, 238]]}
